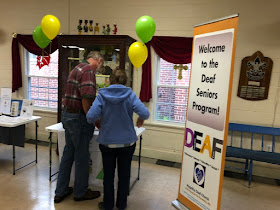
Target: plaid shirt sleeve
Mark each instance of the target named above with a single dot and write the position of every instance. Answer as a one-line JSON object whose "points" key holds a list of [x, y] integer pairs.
{"points": [[87, 84]]}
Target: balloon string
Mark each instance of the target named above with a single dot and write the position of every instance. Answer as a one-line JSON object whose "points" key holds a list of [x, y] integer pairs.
{"points": [[45, 52], [50, 48]]}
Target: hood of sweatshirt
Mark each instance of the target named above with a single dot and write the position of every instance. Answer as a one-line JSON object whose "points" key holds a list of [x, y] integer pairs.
{"points": [[115, 93]]}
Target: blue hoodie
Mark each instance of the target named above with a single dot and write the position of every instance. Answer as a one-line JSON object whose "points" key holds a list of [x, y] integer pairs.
{"points": [[116, 105]]}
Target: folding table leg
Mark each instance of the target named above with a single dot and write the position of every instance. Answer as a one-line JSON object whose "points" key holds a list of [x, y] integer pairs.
{"points": [[50, 157], [14, 151], [36, 139], [139, 163]]}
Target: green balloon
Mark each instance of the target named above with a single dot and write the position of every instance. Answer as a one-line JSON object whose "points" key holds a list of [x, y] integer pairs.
{"points": [[40, 38], [145, 28]]}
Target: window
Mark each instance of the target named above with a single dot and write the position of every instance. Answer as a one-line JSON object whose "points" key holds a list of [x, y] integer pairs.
{"points": [[42, 84], [171, 93]]}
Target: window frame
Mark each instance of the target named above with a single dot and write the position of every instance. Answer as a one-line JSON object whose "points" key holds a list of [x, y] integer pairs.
{"points": [[155, 93], [27, 79]]}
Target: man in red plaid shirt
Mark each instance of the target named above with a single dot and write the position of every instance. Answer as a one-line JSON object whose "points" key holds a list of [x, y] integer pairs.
{"points": [[79, 94]]}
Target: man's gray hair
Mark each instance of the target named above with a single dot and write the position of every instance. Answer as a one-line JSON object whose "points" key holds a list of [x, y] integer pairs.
{"points": [[95, 55]]}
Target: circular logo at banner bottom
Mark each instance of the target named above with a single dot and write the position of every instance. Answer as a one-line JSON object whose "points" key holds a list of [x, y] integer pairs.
{"points": [[199, 174]]}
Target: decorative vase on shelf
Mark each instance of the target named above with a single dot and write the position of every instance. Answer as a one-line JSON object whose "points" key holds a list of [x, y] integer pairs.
{"points": [[115, 30], [90, 28], [86, 27], [96, 29], [79, 27], [108, 29]]}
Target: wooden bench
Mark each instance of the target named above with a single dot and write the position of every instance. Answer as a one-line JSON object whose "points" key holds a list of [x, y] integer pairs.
{"points": [[251, 154]]}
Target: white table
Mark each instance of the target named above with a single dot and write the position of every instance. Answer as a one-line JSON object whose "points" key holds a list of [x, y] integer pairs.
{"points": [[56, 127], [13, 122], [52, 129]]}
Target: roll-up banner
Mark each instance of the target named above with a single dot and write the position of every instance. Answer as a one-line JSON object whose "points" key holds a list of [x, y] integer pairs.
{"points": [[205, 139]]}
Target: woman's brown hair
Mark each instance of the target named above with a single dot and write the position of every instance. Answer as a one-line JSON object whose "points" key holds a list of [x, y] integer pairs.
{"points": [[118, 76]]}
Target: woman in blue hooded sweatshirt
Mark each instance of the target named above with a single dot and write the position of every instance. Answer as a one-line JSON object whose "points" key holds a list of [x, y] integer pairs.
{"points": [[115, 105]]}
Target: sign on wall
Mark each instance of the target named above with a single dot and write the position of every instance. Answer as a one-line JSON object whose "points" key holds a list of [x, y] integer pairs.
{"points": [[255, 77], [209, 97]]}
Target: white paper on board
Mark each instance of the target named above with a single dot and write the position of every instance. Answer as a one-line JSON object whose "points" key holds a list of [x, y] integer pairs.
{"points": [[27, 108], [5, 104]]}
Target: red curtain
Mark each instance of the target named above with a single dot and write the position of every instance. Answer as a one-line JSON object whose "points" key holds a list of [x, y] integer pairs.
{"points": [[177, 50], [28, 43], [146, 84]]}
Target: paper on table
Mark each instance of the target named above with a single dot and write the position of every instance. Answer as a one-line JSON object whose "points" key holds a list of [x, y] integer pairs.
{"points": [[27, 108], [6, 96]]}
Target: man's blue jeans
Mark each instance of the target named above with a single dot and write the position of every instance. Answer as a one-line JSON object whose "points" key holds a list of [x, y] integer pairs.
{"points": [[78, 133]]}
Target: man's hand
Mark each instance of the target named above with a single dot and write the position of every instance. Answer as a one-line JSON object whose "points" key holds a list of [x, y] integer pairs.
{"points": [[98, 123], [86, 103], [139, 122]]}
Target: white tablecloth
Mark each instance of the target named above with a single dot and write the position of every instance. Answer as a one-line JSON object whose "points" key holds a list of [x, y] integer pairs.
{"points": [[95, 154], [95, 157]]}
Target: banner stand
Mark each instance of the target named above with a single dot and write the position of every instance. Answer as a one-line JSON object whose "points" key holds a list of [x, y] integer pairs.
{"points": [[207, 115], [178, 205]]}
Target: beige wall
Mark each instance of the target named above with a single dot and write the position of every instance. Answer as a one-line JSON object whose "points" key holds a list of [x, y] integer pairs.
{"points": [[258, 30]]}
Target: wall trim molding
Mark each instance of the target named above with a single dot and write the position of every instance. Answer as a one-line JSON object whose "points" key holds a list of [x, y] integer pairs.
{"points": [[174, 156]]}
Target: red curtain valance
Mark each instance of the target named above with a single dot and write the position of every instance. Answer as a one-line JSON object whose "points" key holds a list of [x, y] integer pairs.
{"points": [[28, 43], [177, 50]]}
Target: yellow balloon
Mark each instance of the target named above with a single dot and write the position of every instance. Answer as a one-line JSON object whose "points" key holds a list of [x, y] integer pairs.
{"points": [[137, 54], [50, 26]]}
